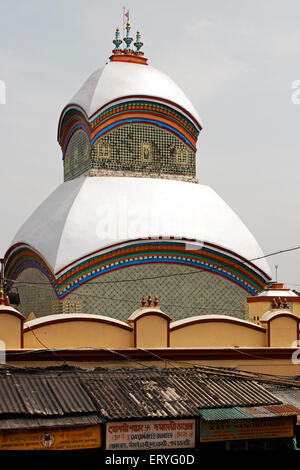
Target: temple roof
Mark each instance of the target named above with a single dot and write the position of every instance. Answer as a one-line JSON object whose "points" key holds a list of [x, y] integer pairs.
{"points": [[89, 214], [117, 80]]}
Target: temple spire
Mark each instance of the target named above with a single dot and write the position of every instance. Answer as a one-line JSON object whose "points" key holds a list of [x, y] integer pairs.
{"points": [[138, 44], [117, 42], [127, 54], [127, 39]]}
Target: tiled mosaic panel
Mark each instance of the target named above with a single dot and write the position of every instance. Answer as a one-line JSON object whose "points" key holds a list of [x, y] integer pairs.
{"points": [[143, 148], [118, 294], [36, 294], [78, 155]]}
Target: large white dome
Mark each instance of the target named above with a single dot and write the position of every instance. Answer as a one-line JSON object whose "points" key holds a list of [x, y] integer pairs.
{"points": [[117, 80], [80, 218]]}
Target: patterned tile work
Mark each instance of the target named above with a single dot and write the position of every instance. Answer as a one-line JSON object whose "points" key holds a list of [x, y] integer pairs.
{"points": [[78, 155], [143, 107], [36, 294], [182, 291], [143, 148]]}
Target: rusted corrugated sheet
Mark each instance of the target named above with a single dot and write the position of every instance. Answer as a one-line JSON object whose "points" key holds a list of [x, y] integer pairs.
{"points": [[259, 412], [289, 396], [283, 410], [249, 412]]}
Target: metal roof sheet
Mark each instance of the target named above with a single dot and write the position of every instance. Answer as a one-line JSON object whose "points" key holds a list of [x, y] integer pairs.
{"points": [[42, 394], [56, 394], [7, 424], [217, 414], [169, 393]]}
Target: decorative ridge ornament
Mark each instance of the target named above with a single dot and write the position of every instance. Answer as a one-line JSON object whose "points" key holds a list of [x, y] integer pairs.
{"points": [[117, 42], [138, 44], [128, 40], [127, 54]]}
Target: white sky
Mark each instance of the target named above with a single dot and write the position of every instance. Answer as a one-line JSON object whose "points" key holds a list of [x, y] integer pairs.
{"points": [[236, 60]]}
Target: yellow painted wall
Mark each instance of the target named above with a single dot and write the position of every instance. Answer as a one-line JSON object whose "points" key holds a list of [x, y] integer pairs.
{"points": [[75, 334], [10, 330], [296, 309], [257, 309], [216, 334], [283, 332], [151, 332]]}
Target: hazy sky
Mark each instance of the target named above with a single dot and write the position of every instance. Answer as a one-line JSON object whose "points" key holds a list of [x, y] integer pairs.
{"points": [[236, 60]]}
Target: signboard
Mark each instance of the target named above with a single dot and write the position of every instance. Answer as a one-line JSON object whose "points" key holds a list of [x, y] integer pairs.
{"points": [[281, 426], [141, 435], [87, 437]]}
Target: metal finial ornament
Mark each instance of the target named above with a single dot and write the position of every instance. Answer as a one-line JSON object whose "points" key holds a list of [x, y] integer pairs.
{"points": [[143, 302], [128, 40], [156, 301], [149, 300], [117, 42], [138, 44]]}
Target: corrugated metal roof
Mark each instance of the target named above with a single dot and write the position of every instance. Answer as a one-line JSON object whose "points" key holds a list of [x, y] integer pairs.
{"points": [[217, 414], [283, 410], [31, 397], [15, 423], [291, 397], [43, 394], [259, 412], [125, 394], [250, 412], [269, 381]]}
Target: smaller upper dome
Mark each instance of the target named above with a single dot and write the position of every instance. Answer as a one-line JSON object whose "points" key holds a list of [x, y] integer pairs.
{"points": [[129, 119], [128, 75], [117, 80]]}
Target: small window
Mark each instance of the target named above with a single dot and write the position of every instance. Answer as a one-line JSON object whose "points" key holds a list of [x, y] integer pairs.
{"points": [[103, 150], [146, 152], [182, 156]]}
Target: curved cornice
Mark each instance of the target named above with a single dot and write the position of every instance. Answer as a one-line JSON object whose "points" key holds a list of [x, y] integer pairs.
{"points": [[206, 258]]}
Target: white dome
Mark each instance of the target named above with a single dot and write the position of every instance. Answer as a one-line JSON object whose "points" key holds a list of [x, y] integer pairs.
{"points": [[91, 213], [117, 80]]}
